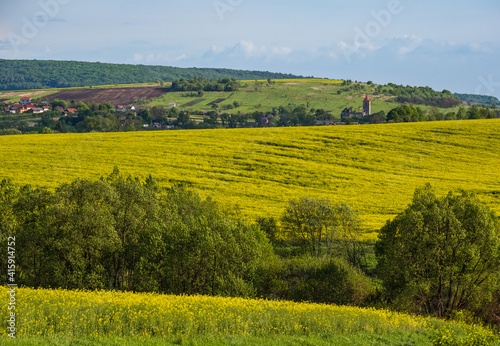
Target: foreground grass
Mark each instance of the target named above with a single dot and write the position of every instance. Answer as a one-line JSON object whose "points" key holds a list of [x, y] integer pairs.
{"points": [[361, 339], [101, 317]]}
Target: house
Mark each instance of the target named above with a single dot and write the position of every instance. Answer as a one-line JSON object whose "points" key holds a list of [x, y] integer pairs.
{"points": [[348, 113], [37, 110], [172, 104], [25, 100], [72, 110], [19, 109]]}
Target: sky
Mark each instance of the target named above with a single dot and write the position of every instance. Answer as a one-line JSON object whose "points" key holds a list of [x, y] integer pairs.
{"points": [[443, 44]]}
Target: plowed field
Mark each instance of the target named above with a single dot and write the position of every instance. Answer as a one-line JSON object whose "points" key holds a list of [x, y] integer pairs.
{"points": [[115, 96]]}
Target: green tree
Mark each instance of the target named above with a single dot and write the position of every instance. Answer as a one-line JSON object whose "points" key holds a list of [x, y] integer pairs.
{"points": [[59, 103], [183, 119], [146, 116], [224, 117], [405, 113], [136, 212], [441, 254], [212, 118], [310, 222], [200, 250], [462, 113]]}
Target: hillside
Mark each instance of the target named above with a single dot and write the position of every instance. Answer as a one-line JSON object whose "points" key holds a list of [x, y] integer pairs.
{"points": [[372, 168], [332, 96], [42, 74], [284, 102]]}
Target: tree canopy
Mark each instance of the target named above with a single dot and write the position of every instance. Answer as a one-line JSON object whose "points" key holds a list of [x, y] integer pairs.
{"points": [[42, 74], [440, 255], [127, 234]]}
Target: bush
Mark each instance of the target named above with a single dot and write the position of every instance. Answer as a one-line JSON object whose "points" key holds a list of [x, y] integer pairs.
{"points": [[10, 132], [332, 281]]}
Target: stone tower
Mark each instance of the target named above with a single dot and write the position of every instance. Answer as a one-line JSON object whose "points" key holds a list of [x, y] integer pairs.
{"points": [[367, 106]]}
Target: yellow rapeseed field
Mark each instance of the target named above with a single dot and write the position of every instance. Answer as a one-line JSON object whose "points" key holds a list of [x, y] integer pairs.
{"points": [[47, 312], [301, 80], [372, 168]]}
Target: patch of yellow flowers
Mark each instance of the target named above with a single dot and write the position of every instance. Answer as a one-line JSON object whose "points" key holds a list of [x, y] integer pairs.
{"points": [[300, 80], [49, 312]]}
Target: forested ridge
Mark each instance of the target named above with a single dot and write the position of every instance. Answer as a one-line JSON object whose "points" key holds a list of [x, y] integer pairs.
{"points": [[42, 74]]}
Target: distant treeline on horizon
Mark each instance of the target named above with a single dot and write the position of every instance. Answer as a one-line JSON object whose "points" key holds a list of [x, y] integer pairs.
{"points": [[45, 74], [478, 99]]}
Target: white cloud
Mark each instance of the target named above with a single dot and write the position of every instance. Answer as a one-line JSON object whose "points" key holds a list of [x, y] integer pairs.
{"points": [[283, 51], [158, 58], [408, 44], [249, 50], [138, 57], [181, 57]]}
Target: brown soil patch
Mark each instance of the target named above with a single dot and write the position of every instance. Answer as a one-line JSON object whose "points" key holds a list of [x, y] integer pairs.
{"points": [[115, 96], [216, 101], [192, 103]]}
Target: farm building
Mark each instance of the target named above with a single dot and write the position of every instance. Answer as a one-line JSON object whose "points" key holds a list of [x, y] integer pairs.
{"points": [[367, 110], [25, 100]]}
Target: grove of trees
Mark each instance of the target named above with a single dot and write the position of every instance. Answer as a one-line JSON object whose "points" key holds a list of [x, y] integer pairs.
{"points": [[439, 257], [201, 84]]}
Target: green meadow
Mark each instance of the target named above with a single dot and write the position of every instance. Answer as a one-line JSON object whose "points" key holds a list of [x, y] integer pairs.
{"points": [[262, 96]]}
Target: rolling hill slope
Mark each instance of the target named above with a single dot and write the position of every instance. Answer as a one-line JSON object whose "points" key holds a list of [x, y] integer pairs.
{"points": [[92, 317], [372, 168]]}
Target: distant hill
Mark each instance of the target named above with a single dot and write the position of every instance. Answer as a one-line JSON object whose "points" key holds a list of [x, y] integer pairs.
{"points": [[43, 74], [482, 99]]}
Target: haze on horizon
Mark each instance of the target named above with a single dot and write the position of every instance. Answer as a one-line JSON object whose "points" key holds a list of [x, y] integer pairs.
{"points": [[448, 44]]}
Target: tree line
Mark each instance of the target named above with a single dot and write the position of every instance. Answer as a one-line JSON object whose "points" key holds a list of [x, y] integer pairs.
{"points": [[43, 74], [420, 95], [439, 257], [481, 99], [201, 84]]}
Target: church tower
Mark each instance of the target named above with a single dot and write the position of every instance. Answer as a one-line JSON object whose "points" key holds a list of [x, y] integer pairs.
{"points": [[367, 106]]}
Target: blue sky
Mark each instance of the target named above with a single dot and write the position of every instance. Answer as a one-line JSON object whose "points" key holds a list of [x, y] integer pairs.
{"points": [[445, 44]]}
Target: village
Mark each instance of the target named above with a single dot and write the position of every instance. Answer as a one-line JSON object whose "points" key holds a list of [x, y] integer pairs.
{"points": [[162, 118]]}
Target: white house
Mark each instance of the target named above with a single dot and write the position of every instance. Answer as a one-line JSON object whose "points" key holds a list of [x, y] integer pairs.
{"points": [[25, 100]]}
